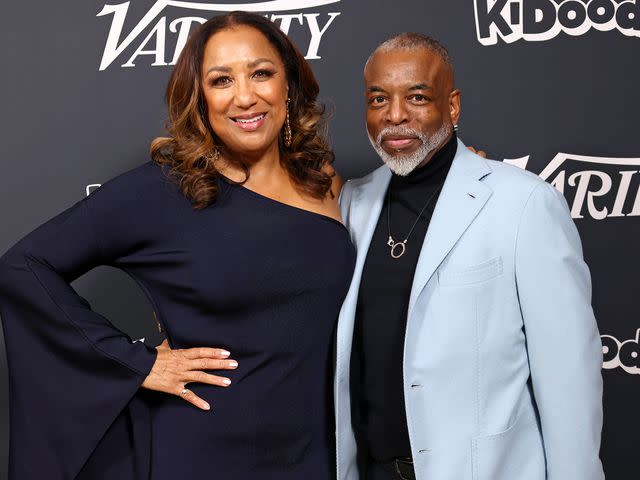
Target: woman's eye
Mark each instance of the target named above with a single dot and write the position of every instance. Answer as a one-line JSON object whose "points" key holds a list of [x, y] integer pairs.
{"points": [[263, 73], [220, 81]]}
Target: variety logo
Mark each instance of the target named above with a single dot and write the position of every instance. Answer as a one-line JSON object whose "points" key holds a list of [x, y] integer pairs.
{"points": [[625, 355], [156, 31], [595, 187], [539, 20]]}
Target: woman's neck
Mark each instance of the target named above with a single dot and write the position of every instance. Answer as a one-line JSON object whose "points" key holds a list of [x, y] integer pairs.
{"points": [[264, 167]]}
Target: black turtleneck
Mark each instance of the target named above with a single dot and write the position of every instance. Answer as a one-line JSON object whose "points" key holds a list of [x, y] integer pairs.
{"points": [[379, 416]]}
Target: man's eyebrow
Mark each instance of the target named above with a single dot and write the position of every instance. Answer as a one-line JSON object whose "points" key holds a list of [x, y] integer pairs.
{"points": [[258, 61], [375, 88], [420, 86]]}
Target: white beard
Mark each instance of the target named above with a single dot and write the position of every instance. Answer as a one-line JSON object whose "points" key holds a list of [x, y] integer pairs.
{"points": [[401, 164]]}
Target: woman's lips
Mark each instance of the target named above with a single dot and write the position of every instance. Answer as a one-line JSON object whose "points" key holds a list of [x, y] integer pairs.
{"points": [[399, 143], [249, 123]]}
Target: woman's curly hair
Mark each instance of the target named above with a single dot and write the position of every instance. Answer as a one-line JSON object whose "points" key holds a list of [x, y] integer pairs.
{"points": [[192, 140]]}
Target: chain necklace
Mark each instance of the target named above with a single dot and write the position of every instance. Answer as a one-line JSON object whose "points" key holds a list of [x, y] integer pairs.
{"points": [[398, 248]]}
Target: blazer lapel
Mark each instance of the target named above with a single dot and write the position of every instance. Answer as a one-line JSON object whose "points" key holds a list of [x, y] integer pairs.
{"points": [[366, 204], [463, 196]]}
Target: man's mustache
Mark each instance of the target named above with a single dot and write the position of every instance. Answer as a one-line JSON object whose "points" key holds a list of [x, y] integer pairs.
{"points": [[399, 131]]}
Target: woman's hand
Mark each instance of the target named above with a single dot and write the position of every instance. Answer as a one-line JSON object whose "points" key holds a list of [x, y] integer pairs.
{"points": [[173, 369], [482, 153]]}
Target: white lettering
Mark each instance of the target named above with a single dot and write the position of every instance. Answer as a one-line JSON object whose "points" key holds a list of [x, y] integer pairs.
{"points": [[623, 190], [285, 24], [183, 34], [116, 44], [617, 354], [583, 189], [635, 212], [316, 33], [159, 32], [540, 20], [558, 182]]}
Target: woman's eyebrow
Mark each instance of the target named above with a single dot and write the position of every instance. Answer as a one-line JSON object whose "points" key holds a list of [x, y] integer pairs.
{"points": [[258, 61], [218, 68]]}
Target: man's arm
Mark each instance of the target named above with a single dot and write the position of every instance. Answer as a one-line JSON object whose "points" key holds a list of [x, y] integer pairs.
{"points": [[564, 347]]}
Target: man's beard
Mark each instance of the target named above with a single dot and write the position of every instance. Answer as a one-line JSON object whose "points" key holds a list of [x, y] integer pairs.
{"points": [[401, 164]]}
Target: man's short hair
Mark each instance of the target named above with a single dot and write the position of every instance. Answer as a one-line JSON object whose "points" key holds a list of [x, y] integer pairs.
{"points": [[413, 41]]}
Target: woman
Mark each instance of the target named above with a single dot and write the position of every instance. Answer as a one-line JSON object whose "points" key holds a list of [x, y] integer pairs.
{"points": [[234, 233]]}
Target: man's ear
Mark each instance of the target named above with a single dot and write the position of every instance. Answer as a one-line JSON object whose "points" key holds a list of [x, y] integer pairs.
{"points": [[454, 106]]}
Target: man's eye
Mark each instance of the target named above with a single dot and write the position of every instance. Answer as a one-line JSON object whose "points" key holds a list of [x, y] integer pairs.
{"points": [[377, 100], [419, 98]]}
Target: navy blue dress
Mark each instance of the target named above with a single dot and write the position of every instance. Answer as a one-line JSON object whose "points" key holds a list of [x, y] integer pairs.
{"points": [[260, 278]]}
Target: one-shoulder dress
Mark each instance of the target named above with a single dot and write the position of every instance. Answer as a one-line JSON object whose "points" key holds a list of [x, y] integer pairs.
{"points": [[260, 278]]}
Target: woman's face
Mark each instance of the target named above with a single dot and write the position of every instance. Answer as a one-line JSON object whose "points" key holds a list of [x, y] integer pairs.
{"points": [[245, 87]]}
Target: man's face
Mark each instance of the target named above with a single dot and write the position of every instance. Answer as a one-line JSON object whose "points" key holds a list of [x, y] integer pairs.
{"points": [[411, 106]]}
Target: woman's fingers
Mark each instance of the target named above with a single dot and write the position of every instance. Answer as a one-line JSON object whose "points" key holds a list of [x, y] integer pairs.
{"points": [[204, 352], [211, 364], [203, 377], [192, 398], [482, 153]]}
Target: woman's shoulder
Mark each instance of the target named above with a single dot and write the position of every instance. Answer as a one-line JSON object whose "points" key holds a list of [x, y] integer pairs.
{"points": [[146, 175], [147, 185]]}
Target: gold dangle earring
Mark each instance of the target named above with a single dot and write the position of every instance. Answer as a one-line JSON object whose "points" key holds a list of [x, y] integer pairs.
{"points": [[287, 128], [213, 155]]}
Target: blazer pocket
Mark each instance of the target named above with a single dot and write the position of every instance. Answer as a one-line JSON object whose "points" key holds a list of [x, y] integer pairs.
{"points": [[476, 274], [517, 452]]}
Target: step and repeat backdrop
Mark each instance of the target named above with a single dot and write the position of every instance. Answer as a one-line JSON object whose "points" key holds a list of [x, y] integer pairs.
{"points": [[547, 85]]}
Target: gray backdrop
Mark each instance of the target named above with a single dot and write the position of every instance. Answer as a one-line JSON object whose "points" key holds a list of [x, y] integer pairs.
{"points": [[550, 85]]}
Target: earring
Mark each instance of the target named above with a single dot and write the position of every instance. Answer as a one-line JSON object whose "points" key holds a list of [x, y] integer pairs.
{"points": [[455, 128], [287, 128], [213, 155]]}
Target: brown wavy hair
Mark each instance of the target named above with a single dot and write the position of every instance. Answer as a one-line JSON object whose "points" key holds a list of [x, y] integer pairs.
{"points": [[192, 139]]}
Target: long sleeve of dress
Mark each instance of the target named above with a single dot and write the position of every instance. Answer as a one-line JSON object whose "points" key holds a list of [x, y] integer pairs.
{"points": [[71, 372]]}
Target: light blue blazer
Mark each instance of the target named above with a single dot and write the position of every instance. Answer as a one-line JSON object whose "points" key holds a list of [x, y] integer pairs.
{"points": [[502, 356]]}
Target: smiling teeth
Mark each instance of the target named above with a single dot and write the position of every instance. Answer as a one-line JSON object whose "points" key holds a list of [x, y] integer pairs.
{"points": [[250, 120]]}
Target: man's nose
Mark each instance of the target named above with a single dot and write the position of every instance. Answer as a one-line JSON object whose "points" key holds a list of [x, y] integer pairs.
{"points": [[397, 113], [245, 94]]}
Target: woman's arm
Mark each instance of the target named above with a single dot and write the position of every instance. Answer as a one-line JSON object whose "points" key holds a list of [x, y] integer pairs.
{"points": [[71, 371]]}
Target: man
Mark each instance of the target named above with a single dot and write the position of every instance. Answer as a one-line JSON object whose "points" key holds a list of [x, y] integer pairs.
{"points": [[467, 347]]}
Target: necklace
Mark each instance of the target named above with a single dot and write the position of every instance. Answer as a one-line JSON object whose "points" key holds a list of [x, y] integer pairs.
{"points": [[398, 248]]}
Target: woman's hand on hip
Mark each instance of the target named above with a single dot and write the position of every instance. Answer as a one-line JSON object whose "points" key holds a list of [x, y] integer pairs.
{"points": [[173, 369]]}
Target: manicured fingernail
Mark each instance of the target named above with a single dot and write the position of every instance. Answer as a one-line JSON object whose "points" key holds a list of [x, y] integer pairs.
{"points": [[207, 406], [224, 353], [226, 381], [233, 363]]}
